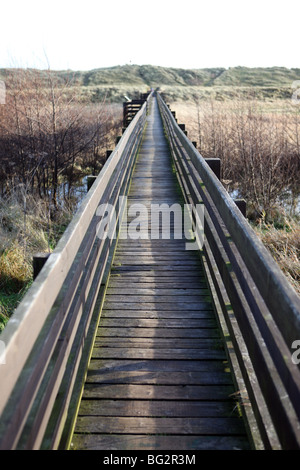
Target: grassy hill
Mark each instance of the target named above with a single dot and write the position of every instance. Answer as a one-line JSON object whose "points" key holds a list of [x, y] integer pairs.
{"points": [[273, 76], [151, 75], [155, 76], [177, 83]]}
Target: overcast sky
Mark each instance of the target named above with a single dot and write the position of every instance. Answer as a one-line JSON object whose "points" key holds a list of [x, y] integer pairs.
{"points": [[91, 34]]}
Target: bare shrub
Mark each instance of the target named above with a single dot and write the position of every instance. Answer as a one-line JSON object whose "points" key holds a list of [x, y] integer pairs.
{"points": [[50, 138], [48, 135], [259, 149]]}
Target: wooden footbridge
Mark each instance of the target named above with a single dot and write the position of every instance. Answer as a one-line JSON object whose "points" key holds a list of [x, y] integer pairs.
{"points": [[142, 339]]}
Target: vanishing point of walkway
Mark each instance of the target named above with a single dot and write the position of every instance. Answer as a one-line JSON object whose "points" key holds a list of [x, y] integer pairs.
{"points": [[158, 377]]}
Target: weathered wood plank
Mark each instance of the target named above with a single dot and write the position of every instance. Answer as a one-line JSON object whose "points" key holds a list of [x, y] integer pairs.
{"points": [[148, 365], [138, 353], [161, 268], [157, 314], [181, 306], [140, 246], [183, 292], [159, 378], [152, 282], [153, 299], [142, 442], [152, 408], [161, 323], [166, 264], [160, 332], [183, 258], [181, 343], [150, 273], [159, 252], [159, 392], [136, 425]]}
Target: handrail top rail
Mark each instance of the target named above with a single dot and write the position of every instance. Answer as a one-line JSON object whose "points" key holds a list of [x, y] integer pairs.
{"points": [[31, 314], [278, 292]]}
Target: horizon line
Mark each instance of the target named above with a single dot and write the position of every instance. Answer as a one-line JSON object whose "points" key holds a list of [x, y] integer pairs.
{"points": [[145, 65]]}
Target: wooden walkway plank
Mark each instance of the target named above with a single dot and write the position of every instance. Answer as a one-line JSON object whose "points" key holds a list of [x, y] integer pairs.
{"points": [[153, 408], [119, 313], [170, 425], [161, 332], [157, 442], [158, 392], [166, 378], [158, 376], [161, 323]]}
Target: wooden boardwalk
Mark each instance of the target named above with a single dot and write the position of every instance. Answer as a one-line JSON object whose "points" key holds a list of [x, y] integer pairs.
{"points": [[158, 376]]}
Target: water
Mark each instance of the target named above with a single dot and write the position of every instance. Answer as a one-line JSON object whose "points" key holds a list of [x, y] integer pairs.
{"points": [[290, 206]]}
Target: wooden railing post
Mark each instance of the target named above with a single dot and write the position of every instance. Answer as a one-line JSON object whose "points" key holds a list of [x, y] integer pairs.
{"points": [[90, 181], [215, 166], [242, 205], [38, 261], [108, 154], [182, 127]]}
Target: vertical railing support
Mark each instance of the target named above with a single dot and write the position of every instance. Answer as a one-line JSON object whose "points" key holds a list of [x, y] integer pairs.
{"points": [[38, 261], [242, 205], [90, 181], [108, 154], [215, 166]]}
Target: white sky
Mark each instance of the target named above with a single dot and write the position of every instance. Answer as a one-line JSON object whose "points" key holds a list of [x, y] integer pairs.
{"points": [[173, 33]]}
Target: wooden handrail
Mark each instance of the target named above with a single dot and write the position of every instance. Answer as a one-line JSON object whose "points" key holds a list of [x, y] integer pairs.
{"points": [[260, 309], [49, 337], [45, 338]]}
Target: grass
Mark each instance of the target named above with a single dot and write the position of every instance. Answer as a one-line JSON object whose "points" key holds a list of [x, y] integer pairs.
{"points": [[15, 279], [8, 303], [19, 242], [284, 246]]}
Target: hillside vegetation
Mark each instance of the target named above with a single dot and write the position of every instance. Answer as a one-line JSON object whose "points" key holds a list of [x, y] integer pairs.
{"points": [[113, 82], [155, 76]]}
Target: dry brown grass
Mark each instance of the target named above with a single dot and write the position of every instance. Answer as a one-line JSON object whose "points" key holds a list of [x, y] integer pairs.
{"points": [[259, 146], [21, 236], [15, 268], [284, 246], [15, 279]]}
